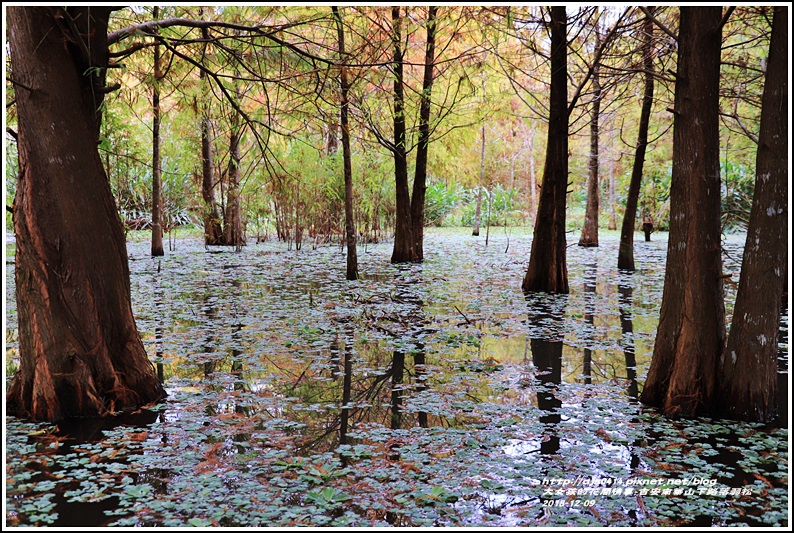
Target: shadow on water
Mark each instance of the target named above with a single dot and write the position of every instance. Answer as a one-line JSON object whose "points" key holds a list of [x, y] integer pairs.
{"points": [[70, 438]]}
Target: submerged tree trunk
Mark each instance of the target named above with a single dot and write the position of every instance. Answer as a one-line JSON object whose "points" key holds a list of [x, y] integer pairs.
{"points": [[213, 231], [626, 249], [691, 332], [403, 230], [748, 368], [547, 271], [157, 195], [590, 229], [350, 228], [420, 174], [80, 352]]}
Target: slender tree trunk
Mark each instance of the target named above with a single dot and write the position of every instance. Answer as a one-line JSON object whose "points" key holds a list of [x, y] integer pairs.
{"points": [[589, 235], [350, 227], [420, 174], [748, 368], [157, 195], [533, 182], [547, 271], [613, 224], [691, 332], [331, 140], [403, 228], [80, 352], [232, 224], [626, 249], [478, 209], [213, 231]]}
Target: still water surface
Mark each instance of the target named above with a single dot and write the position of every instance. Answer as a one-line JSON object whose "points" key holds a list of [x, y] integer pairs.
{"points": [[433, 394]]}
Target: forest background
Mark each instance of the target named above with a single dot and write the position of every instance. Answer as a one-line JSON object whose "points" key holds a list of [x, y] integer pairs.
{"points": [[488, 118]]}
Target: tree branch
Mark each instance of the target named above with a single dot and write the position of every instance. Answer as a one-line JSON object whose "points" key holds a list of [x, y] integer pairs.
{"points": [[147, 27], [658, 23], [598, 53], [727, 15]]}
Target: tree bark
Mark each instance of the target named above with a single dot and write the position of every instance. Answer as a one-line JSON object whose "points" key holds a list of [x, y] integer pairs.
{"points": [[157, 195], [691, 332], [589, 235], [80, 351], [403, 231], [232, 222], [626, 248], [547, 271], [350, 227], [748, 368], [420, 173]]}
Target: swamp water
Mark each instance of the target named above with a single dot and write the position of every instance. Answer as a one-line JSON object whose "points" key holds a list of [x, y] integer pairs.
{"points": [[419, 395]]}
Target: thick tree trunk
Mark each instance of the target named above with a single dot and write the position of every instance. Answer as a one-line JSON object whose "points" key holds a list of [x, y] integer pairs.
{"points": [[157, 195], [691, 332], [547, 271], [589, 235], [213, 231], [420, 173], [232, 223], [626, 249], [80, 352], [403, 228], [350, 227], [748, 368]]}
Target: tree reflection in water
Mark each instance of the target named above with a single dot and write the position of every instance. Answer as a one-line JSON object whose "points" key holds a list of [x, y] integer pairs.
{"points": [[547, 358]]}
